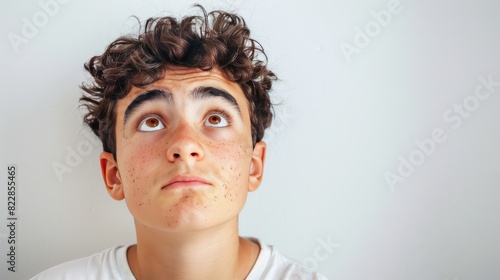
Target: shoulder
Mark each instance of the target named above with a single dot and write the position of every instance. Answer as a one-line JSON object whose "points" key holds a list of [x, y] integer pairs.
{"points": [[108, 264], [271, 264]]}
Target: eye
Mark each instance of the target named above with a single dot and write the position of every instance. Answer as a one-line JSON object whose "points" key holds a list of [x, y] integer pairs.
{"points": [[151, 124], [218, 119]]}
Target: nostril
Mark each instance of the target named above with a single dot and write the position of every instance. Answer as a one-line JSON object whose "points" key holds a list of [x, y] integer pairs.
{"points": [[194, 154], [177, 155]]}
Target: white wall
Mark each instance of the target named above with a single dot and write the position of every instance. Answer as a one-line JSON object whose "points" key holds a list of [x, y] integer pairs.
{"points": [[346, 121]]}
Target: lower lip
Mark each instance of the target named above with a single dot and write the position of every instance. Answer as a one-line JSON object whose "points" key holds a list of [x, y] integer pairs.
{"points": [[185, 184]]}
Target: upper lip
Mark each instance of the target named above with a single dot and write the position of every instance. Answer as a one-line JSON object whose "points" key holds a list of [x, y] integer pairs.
{"points": [[186, 178]]}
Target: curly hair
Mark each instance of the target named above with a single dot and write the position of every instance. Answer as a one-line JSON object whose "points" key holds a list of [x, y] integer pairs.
{"points": [[213, 40]]}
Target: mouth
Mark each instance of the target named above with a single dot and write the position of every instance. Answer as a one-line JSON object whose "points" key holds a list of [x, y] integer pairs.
{"points": [[183, 181]]}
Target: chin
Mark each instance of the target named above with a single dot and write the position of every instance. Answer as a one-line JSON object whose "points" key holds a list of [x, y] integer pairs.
{"points": [[194, 221]]}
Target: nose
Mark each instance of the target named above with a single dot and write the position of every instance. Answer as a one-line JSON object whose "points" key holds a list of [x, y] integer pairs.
{"points": [[184, 145]]}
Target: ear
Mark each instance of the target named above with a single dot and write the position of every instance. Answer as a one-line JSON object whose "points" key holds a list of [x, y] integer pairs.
{"points": [[257, 166], [111, 176]]}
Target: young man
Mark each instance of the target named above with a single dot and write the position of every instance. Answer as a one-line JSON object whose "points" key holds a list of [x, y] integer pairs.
{"points": [[181, 111]]}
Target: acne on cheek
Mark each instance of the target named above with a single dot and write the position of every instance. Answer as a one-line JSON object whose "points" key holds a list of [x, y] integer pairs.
{"points": [[232, 147], [236, 155], [135, 165]]}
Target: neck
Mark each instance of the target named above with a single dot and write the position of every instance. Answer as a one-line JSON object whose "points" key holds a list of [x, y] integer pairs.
{"points": [[215, 253]]}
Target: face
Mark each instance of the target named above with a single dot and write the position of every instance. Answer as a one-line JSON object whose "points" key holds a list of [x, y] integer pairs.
{"points": [[185, 159]]}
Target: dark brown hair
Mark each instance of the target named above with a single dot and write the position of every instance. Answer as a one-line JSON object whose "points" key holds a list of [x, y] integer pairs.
{"points": [[213, 40]]}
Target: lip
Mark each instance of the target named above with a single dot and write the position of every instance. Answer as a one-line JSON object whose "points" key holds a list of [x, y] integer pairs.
{"points": [[185, 181]]}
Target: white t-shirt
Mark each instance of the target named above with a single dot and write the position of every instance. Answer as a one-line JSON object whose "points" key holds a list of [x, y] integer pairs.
{"points": [[112, 264]]}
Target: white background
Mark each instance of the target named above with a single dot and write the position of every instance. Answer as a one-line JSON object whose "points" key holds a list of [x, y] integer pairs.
{"points": [[345, 121]]}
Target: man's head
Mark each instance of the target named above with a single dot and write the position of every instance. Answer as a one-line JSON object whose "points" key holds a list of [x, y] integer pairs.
{"points": [[181, 111], [213, 40]]}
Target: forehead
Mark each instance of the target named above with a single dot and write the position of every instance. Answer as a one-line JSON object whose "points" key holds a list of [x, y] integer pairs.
{"points": [[178, 79]]}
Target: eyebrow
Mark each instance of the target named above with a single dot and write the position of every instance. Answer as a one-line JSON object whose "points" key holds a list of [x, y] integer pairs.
{"points": [[210, 92], [152, 95], [159, 94]]}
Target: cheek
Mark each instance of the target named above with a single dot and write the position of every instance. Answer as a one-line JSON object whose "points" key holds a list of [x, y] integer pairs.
{"points": [[234, 166], [232, 155], [136, 167]]}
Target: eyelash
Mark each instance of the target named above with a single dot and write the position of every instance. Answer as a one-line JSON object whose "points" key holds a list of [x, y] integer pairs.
{"points": [[213, 111], [220, 112], [149, 115]]}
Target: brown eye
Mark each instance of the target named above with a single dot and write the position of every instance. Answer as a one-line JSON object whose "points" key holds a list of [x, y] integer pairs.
{"points": [[217, 119], [151, 124], [214, 119]]}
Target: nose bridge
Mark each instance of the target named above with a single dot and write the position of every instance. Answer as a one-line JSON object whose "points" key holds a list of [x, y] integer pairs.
{"points": [[183, 131], [184, 142]]}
